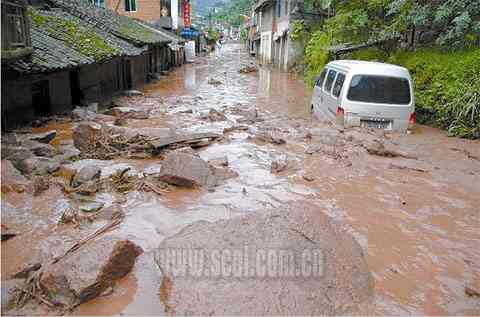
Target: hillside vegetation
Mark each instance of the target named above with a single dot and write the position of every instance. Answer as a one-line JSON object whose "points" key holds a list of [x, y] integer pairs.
{"points": [[438, 41]]}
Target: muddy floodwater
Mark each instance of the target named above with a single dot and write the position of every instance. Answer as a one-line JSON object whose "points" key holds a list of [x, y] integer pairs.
{"points": [[416, 219]]}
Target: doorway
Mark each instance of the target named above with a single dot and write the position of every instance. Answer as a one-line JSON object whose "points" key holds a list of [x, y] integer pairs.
{"points": [[128, 74], [75, 88], [41, 98]]}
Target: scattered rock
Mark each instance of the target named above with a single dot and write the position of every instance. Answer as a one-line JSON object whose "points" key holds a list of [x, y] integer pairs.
{"points": [[341, 284], [40, 149], [6, 233], [83, 114], [40, 184], [222, 174], [86, 134], [91, 206], [220, 161], [68, 152], [248, 69], [308, 177], [86, 174], [38, 165], [269, 137], [127, 113], [16, 153], [215, 115], [380, 149], [130, 93], [313, 148], [214, 82], [184, 169], [91, 270], [9, 138], [279, 164], [45, 137], [120, 122], [471, 292], [12, 178]]}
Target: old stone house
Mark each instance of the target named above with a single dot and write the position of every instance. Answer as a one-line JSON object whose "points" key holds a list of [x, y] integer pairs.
{"points": [[269, 31], [81, 54]]}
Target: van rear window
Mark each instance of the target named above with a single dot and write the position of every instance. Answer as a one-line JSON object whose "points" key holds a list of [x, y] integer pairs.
{"points": [[330, 77], [379, 89]]}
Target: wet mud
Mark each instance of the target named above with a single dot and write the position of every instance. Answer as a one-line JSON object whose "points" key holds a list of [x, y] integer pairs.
{"points": [[417, 220]]}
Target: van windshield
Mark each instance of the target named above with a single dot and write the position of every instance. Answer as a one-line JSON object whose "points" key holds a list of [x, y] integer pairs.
{"points": [[379, 89]]}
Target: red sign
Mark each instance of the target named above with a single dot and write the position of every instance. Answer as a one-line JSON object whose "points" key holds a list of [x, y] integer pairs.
{"points": [[186, 14]]}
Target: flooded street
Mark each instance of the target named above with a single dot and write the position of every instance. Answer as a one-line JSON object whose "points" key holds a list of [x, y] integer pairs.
{"points": [[416, 215]]}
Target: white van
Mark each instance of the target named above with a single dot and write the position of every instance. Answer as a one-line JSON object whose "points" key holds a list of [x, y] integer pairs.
{"points": [[368, 94]]}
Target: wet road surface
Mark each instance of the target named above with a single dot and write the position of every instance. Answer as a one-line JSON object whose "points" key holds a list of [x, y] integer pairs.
{"points": [[418, 221]]}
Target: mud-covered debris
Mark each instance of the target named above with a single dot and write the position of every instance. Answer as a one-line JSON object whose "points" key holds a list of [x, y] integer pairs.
{"points": [[38, 165], [472, 292], [67, 153], [269, 137], [40, 149], [83, 114], [214, 82], [12, 178], [215, 115], [120, 122], [45, 137], [90, 206], [7, 234], [27, 270], [16, 153], [192, 140], [279, 163], [219, 161], [86, 174], [308, 177], [183, 169], [248, 69], [379, 148], [88, 272], [9, 292], [130, 93], [248, 114], [40, 184], [127, 113], [341, 285], [9, 138], [86, 135]]}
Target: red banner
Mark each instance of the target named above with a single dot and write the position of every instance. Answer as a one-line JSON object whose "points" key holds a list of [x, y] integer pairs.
{"points": [[186, 14]]}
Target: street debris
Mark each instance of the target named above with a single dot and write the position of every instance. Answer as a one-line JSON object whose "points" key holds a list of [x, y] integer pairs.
{"points": [[40, 184], [279, 163], [89, 173], [379, 148], [251, 68], [45, 137], [472, 292], [214, 82], [215, 115]]}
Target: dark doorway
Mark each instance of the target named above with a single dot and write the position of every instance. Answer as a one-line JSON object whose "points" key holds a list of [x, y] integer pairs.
{"points": [[75, 88], [128, 74], [41, 98]]}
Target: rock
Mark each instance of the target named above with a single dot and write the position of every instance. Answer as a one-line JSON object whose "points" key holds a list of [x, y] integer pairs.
{"points": [[269, 137], [322, 272], [27, 269], [12, 178], [248, 69], [83, 114], [472, 292], [184, 169], [222, 174], [219, 161], [6, 233], [40, 184], [91, 206], [40, 149], [308, 177], [130, 93], [86, 174], [44, 137], [86, 134], [89, 271], [214, 82], [9, 138], [215, 115], [120, 122], [313, 148], [16, 153], [68, 152], [127, 113], [279, 164], [38, 165], [8, 293], [248, 114], [379, 148]]}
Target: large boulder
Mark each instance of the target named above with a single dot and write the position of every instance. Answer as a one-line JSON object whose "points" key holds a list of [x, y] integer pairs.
{"points": [[16, 153], [39, 149], [127, 112], [294, 260], [86, 134], [89, 271], [184, 169]]}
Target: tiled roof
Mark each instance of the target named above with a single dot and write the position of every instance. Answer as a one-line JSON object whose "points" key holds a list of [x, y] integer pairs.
{"points": [[109, 21], [50, 54], [172, 36]]}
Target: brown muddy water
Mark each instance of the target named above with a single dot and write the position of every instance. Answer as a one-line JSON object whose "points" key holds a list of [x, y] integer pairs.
{"points": [[418, 221]]}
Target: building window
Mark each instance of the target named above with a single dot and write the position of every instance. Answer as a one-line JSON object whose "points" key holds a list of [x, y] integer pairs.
{"points": [[165, 10], [279, 8], [130, 5], [99, 3], [17, 24]]}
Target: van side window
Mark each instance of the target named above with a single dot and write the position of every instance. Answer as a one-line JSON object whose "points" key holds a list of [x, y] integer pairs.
{"points": [[329, 82], [321, 78], [337, 88]]}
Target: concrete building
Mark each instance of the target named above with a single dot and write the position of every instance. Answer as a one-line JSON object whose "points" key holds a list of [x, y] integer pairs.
{"points": [[269, 33]]}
